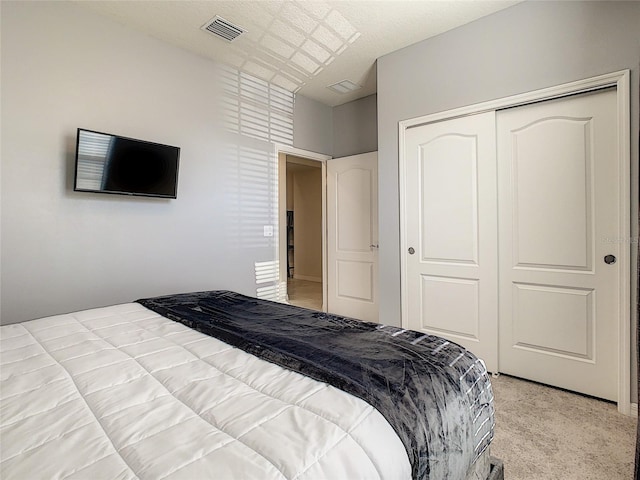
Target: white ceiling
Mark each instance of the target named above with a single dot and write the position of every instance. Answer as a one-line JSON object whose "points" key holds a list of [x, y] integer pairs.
{"points": [[301, 45]]}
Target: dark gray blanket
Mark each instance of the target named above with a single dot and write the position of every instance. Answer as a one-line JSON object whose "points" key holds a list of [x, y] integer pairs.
{"points": [[435, 394]]}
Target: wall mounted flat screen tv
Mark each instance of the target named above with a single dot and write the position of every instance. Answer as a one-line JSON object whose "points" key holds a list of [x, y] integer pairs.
{"points": [[112, 164]]}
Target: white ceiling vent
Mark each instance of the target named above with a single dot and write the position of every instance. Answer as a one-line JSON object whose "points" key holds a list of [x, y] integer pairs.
{"points": [[345, 86], [223, 29]]}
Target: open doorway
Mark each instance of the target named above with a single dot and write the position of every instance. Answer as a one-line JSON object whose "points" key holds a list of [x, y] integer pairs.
{"points": [[304, 232], [302, 227], [349, 233]]}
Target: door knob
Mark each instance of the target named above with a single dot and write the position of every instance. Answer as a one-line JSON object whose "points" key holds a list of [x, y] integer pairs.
{"points": [[609, 259], [373, 246], [411, 251]]}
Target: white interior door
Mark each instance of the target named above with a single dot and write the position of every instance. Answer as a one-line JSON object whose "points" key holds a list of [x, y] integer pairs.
{"points": [[559, 218], [450, 237], [352, 236]]}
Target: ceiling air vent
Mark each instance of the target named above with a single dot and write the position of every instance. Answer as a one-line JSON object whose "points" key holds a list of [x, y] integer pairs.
{"points": [[223, 29], [345, 86]]}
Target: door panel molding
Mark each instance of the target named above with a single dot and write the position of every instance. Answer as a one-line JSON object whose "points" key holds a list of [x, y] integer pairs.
{"points": [[621, 81], [465, 315], [350, 229], [362, 290], [534, 163], [445, 241], [527, 331]]}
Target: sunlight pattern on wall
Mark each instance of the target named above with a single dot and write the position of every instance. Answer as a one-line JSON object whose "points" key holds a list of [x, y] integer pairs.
{"points": [[256, 108], [257, 115], [251, 195], [269, 286]]}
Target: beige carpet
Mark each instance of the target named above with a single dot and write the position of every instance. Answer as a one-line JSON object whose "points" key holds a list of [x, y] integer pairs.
{"points": [[544, 433]]}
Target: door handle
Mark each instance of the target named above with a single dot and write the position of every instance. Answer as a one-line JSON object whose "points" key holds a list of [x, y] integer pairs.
{"points": [[411, 251], [373, 246], [609, 259]]}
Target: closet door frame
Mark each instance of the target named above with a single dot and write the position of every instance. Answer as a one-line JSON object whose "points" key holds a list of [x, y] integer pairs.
{"points": [[620, 80]]}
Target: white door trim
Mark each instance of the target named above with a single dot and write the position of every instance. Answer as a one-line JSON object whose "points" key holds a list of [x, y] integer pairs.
{"points": [[620, 80], [282, 211]]}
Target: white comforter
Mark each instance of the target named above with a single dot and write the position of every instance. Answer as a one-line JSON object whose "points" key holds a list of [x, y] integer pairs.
{"points": [[121, 392]]}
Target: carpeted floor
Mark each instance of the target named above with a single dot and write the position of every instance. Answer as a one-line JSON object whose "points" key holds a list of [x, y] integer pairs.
{"points": [[544, 433]]}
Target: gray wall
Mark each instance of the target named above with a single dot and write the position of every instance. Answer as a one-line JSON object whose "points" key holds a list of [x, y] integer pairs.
{"points": [[347, 129], [526, 47], [65, 67], [355, 127], [312, 130]]}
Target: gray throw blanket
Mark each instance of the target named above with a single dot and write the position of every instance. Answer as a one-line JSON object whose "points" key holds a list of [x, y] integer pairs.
{"points": [[435, 394]]}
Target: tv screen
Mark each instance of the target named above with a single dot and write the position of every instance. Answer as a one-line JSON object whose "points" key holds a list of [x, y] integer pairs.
{"points": [[112, 164]]}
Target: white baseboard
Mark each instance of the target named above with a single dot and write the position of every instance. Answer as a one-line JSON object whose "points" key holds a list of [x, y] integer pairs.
{"points": [[634, 410], [309, 278]]}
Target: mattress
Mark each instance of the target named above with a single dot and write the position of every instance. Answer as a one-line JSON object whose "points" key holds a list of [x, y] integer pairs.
{"points": [[122, 392]]}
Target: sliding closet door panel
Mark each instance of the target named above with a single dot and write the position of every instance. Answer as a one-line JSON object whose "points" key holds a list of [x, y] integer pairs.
{"points": [[558, 205], [451, 232]]}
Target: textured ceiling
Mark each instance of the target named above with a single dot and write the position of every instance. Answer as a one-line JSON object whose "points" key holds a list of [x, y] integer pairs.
{"points": [[303, 46]]}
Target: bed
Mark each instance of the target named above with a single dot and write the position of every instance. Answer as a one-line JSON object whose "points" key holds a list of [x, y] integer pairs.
{"points": [[194, 386]]}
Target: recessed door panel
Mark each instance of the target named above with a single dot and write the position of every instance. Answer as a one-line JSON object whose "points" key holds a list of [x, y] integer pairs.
{"points": [[354, 188], [355, 280], [552, 185], [554, 320], [450, 306], [448, 175]]}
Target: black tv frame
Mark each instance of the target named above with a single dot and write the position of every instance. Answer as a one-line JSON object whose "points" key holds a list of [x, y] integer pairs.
{"points": [[125, 193]]}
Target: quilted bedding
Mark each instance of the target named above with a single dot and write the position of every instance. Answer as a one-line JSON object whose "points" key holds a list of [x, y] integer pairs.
{"points": [[123, 393], [435, 394]]}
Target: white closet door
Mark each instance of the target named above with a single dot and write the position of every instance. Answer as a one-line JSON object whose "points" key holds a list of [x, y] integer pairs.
{"points": [[352, 236], [559, 218], [450, 241]]}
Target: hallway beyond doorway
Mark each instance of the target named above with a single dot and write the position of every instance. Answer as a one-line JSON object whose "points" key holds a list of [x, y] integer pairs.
{"points": [[304, 293]]}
